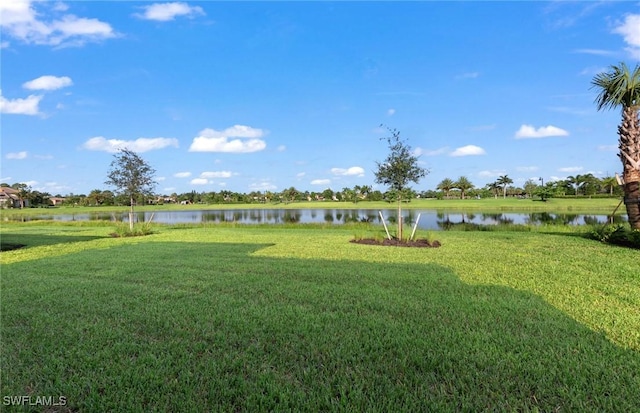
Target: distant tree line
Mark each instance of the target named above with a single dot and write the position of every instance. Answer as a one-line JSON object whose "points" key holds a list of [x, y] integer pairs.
{"points": [[586, 185]]}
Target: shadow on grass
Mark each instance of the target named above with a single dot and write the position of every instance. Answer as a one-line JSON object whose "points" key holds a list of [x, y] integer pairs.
{"points": [[36, 240], [209, 327]]}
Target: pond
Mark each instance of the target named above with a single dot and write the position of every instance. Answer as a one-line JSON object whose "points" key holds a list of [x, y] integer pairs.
{"points": [[429, 219]]}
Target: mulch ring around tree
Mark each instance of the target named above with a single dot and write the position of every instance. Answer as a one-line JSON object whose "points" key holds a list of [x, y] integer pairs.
{"points": [[419, 243]]}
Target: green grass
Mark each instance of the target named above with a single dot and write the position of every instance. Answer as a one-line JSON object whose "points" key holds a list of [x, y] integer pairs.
{"points": [[216, 318], [556, 205]]}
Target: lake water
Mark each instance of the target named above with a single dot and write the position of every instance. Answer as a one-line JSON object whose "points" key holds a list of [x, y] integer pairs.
{"points": [[429, 219]]}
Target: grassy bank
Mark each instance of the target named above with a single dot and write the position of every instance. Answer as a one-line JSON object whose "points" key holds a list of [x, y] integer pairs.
{"points": [[578, 205], [215, 318]]}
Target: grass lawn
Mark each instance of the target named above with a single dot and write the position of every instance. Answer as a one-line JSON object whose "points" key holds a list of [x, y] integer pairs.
{"points": [[222, 318]]}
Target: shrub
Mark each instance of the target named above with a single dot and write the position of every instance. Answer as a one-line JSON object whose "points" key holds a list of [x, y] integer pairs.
{"points": [[616, 234], [123, 230]]}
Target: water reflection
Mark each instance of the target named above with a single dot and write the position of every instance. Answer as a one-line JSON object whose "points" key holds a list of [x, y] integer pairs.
{"points": [[429, 219]]}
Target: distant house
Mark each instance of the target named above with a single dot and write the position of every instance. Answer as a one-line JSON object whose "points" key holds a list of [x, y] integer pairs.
{"points": [[10, 198], [56, 200]]}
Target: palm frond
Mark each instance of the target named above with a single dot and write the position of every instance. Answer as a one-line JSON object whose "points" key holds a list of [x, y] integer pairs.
{"points": [[619, 87]]}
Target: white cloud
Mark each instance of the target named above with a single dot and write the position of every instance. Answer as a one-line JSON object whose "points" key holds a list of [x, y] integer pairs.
{"points": [[21, 21], [182, 174], [160, 178], [420, 151], [301, 174], [592, 70], [43, 157], [482, 128], [282, 148], [26, 106], [528, 131], [100, 143], [391, 112], [211, 140], [321, 182], [262, 186], [169, 11], [17, 155], [527, 168], [596, 52], [217, 174], [51, 187], [491, 174], [468, 75], [630, 31], [48, 83], [468, 150], [352, 171], [571, 169], [199, 181], [607, 148]]}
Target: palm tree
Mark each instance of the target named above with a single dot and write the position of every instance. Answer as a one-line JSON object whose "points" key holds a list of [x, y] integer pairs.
{"points": [[365, 190], [463, 184], [493, 187], [574, 183], [503, 181], [610, 183], [620, 88], [445, 186]]}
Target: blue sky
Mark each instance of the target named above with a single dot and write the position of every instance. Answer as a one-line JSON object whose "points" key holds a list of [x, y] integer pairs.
{"points": [[249, 96]]}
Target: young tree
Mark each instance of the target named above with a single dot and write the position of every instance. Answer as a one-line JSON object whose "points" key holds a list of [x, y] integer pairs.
{"points": [[131, 176], [620, 88], [398, 170]]}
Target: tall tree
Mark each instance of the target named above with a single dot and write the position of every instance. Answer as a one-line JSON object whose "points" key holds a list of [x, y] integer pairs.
{"points": [[446, 185], [609, 183], [620, 88], [399, 169], [131, 176], [357, 191], [503, 181], [493, 187], [463, 184], [530, 187], [365, 190]]}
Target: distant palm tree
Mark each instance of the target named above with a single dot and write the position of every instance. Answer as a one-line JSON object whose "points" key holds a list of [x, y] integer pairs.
{"points": [[445, 186], [574, 183], [493, 187], [503, 181], [620, 88], [365, 190], [463, 184], [610, 183]]}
